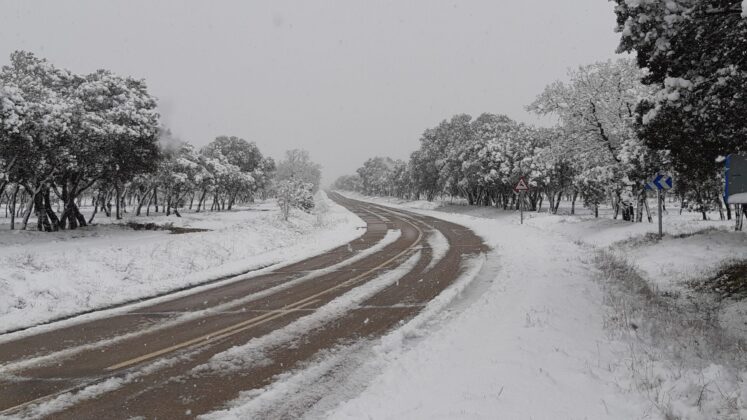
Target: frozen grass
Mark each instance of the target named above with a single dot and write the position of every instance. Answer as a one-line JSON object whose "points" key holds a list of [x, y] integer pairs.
{"points": [[679, 356], [730, 282]]}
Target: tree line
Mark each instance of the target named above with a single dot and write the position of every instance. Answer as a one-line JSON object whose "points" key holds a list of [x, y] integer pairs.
{"points": [[68, 139], [676, 108]]}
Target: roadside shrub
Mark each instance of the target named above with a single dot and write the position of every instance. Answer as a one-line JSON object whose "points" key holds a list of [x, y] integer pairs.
{"points": [[294, 193]]}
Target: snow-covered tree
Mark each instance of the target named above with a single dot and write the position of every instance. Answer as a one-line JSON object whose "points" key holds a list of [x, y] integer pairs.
{"points": [[596, 109], [376, 176], [75, 131], [39, 144], [298, 165], [64, 136], [348, 183], [238, 165], [116, 138], [695, 54], [294, 193]]}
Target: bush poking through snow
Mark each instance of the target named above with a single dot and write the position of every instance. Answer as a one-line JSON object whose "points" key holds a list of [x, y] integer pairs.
{"points": [[729, 282]]}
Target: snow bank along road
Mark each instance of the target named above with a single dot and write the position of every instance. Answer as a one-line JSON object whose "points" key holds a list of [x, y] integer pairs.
{"points": [[195, 353]]}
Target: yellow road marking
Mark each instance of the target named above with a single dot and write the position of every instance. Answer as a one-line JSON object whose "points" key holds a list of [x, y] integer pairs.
{"points": [[215, 335], [232, 329], [261, 319]]}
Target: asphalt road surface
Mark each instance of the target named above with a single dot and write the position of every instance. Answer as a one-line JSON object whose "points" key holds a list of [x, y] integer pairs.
{"points": [[178, 357]]}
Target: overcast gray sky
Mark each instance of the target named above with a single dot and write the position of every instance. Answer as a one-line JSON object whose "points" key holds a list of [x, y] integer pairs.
{"points": [[345, 80]]}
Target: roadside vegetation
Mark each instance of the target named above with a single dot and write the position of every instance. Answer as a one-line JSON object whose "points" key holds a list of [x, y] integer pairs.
{"points": [[676, 108], [70, 140]]}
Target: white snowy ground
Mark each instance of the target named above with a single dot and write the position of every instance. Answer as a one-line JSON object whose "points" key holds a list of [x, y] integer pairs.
{"points": [[44, 276], [543, 334]]}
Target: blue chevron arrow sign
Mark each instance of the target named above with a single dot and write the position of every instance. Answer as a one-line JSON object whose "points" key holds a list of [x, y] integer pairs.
{"points": [[660, 182]]}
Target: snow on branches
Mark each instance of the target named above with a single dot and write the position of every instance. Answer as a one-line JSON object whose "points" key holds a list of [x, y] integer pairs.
{"points": [[594, 153], [70, 132], [695, 57], [294, 193], [63, 135]]}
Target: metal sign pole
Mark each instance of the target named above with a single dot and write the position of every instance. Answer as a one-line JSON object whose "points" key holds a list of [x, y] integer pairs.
{"points": [[659, 196], [520, 189]]}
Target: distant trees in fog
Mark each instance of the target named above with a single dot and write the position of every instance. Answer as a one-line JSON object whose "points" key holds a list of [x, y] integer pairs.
{"points": [[298, 166]]}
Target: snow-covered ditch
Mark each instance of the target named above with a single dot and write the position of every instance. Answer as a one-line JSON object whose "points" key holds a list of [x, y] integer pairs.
{"points": [[574, 322], [45, 276], [691, 251]]}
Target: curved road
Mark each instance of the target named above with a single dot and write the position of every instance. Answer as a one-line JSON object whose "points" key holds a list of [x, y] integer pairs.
{"points": [[192, 354]]}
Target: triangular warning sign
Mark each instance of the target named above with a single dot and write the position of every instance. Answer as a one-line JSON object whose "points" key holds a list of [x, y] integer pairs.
{"points": [[521, 186]]}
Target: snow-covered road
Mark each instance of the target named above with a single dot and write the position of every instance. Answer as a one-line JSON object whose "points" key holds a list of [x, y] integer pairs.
{"points": [[538, 334], [46, 276], [200, 349], [527, 343]]}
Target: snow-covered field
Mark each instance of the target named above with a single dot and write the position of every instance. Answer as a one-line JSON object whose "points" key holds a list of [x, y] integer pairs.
{"points": [[45, 276], [547, 332]]}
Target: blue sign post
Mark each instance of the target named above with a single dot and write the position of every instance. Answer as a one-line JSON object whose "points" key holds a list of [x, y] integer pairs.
{"points": [[661, 183]]}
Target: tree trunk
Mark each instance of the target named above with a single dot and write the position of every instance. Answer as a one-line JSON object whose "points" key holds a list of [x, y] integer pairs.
{"points": [[106, 203], [557, 203], [639, 208], [648, 210], [2, 193], [12, 202], [118, 200], [200, 202], [615, 203], [123, 204], [55, 222], [232, 199], [29, 208], [95, 202], [75, 214], [42, 222], [141, 202], [66, 198], [573, 202]]}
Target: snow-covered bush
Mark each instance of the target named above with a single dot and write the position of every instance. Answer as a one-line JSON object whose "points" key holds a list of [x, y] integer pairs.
{"points": [[294, 193]]}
